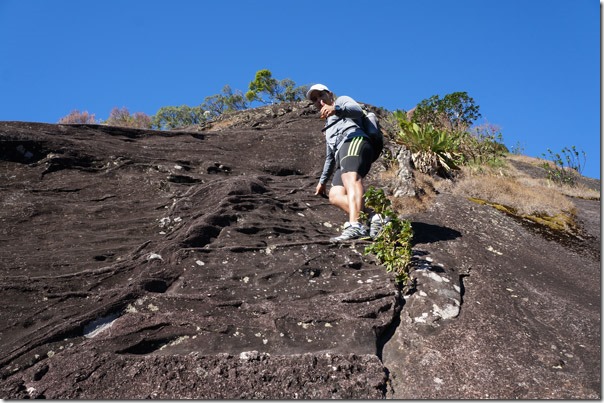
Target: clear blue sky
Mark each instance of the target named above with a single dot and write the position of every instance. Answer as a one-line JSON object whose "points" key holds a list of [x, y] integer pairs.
{"points": [[533, 66]]}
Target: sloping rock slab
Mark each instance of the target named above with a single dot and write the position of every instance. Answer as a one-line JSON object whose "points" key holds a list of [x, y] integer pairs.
{"points": [[137, 264], [499, 311], [250, 375]]}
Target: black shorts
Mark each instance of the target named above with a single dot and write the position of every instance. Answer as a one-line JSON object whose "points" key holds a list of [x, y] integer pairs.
{"points": [[355, 155]]}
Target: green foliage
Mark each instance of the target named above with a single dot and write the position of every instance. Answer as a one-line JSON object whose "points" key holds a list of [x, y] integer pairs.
{"points": [[172, 117], [266, 89], [227, 101], [264, 84], [440, 139], [400, 116], [482, 145], [432, 150], [455, 112], [123, 118], [565, 167], [291, 93], [78, 117], [393, 246]]}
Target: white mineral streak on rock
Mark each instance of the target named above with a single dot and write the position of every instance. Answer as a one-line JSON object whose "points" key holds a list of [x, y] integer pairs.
{"points": [[154, 256], [448, 312]]}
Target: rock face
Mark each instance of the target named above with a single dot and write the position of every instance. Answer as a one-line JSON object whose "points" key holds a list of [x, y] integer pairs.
{"points": [[196, 264], [527, 325]]}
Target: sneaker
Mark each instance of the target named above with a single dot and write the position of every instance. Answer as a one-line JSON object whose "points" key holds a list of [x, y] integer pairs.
{"points": [[376, 225], [351, 231]]}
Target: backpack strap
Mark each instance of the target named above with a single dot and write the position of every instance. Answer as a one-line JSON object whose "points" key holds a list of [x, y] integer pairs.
{"points": [[331, 124], [338, 119], [354, 124]]}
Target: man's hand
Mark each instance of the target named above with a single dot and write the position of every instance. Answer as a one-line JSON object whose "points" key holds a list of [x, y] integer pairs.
{"points": [[320, 190], [327, 110]]}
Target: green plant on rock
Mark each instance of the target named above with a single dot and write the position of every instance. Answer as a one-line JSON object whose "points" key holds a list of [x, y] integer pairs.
{"points": [[565, 167], [432, 150], [482, 145], [393, 246]]}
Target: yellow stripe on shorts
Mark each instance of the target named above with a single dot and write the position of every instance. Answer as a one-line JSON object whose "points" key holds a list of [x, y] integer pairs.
{"points": [[355, 145]]}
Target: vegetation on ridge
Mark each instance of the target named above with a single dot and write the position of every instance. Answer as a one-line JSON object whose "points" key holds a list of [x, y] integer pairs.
{"points": [[264, 89]]}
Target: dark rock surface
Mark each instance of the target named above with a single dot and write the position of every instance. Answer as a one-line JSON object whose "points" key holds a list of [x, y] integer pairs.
{"points": [[196, 264], [528, 321]]}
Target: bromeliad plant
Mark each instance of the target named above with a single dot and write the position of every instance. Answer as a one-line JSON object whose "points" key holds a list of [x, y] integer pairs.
{"points": [[393, 246], [432, 150]]}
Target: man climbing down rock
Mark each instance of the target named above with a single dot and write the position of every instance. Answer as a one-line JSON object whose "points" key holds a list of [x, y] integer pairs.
{"points": [[350, 154]]}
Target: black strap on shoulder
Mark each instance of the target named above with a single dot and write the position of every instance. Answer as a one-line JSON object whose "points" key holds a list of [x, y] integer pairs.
{"points": [[331, 124], [354, 124]]}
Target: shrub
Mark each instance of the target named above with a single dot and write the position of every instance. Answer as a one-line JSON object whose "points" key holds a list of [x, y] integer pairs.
{"points": [[482, 145], [432, 150], [393, 246], [227, 101], [121, 117], [455, 112], [142, 120], [438, 134], [266, 89], [565, 167], [172, 117], [76, 116]]}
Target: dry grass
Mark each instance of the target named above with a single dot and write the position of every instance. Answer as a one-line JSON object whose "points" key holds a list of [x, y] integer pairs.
{"points": [[524, 192], [578, 190], [516, 193]]}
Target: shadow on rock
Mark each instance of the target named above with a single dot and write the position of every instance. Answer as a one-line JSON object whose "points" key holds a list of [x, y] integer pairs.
{"points": [[429, 233]]}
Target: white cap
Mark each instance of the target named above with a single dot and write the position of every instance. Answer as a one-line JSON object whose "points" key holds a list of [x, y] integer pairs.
{"points": [[316, 87]]}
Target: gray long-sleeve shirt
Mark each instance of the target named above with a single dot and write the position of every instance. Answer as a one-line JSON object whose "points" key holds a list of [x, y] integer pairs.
{"points": [[347, 125]]}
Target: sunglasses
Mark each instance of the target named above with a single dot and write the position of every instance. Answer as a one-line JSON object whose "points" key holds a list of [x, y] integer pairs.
{"points": [[315, 98]]}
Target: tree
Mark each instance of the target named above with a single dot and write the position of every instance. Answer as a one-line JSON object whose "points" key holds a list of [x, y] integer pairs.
{"points": [[291, 93], [122, 117], [267, 90], [455, 111], [76, 116], [263, 86], [263, 83], [172, 117], [227, 101]]}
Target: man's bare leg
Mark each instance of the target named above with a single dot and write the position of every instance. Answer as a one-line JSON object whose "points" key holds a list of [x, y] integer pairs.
{"points": [[353, 186], [338, 197]]}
